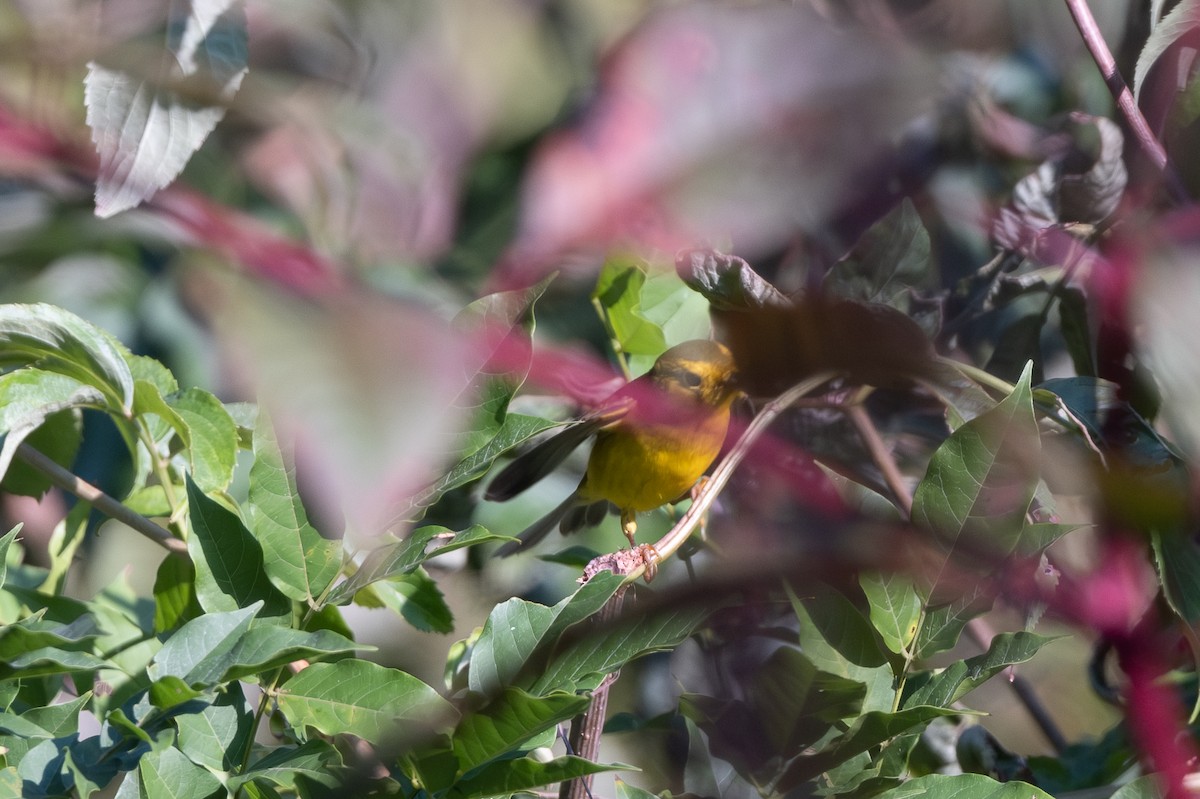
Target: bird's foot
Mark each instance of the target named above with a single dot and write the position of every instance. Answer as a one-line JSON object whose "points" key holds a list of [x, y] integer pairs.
{"points": [[649, 556]]}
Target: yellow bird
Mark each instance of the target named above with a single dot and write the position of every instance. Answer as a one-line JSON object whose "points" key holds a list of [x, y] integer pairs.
{"points": [[655, 437]]}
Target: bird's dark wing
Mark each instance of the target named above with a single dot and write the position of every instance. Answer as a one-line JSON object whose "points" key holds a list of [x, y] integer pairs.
{"points": [[537, 462]]}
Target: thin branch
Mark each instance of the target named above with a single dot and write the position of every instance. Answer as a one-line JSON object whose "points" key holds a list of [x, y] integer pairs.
{"points": [[879, 453], [100, 501], [1103, 57]]}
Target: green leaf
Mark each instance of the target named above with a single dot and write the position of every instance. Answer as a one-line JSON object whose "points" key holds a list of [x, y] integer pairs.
{"points": [[212, 438], [64, 543], [895, 608], [584, 662], [219, 647], [516, 630], [267, 646], [417, 598], [168, 774], [1146, 787], [48, 660], [216, 736], [58, 720], [509, 721], [797, 704], [963, 786], [648, 308], [302, 563], [405, 556], [867, 731], [59, 341], [28, 398], [201, 647], [963, 676], [627, 791], [5, 543], [839, 640], [1177, 559], [982, 478], [315, 761], [889, 262], [175, 599], [516, 429], [363, 699], [525, 774], [145, 131], [229, 561], [944, 623]]}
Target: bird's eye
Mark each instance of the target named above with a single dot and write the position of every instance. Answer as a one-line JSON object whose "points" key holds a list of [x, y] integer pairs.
{"points": [[690, 379]]}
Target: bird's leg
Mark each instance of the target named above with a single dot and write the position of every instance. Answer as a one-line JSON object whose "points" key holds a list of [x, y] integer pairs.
{"points": [[648, 553], [629, 526]]}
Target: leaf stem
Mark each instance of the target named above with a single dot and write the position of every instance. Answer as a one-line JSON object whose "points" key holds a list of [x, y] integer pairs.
{"points": [[1092, 37], [104, 503], [880, 455]]}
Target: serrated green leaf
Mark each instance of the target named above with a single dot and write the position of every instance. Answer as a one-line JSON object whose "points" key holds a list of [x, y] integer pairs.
{"points": [[525, 774], [510, 721], [59, 341], [895, 608], [229, 561], [981, 480], [961, 677], [302, 563], [361, 698], [405, 556]]}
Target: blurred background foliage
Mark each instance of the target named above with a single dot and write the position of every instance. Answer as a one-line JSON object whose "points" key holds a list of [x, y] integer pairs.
{"points": [[434, 151]]}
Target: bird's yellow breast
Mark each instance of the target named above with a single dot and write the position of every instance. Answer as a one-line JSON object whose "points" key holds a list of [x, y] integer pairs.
{"points": [[640, 467]]}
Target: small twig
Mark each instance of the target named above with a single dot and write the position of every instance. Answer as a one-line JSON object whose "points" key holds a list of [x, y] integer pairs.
{"points": [[100, 501], [879, 453], [1103, 57], [587, 727]]}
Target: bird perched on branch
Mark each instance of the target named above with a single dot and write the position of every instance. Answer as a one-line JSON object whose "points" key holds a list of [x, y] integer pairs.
{"points": [[655, 438]]}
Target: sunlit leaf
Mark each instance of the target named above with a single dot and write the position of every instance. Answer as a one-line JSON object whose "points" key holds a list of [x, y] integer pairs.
{"points": [[510, 720], [895, 609], [963, 786], [362, 699], [981, 480], [145, 130], [230, 572], [302, 562]]}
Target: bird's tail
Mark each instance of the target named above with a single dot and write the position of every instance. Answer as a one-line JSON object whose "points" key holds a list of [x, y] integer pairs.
{"points": [[539, 529]]}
